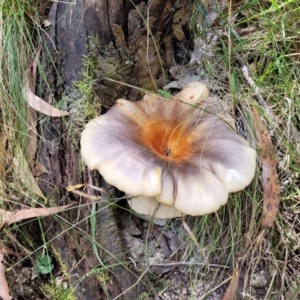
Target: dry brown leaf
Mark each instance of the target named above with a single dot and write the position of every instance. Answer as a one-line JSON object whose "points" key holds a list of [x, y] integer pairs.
{"points": [[9, 217], [40, 105], [271, 186], [233, 285], [4, 290], [24, 173]]}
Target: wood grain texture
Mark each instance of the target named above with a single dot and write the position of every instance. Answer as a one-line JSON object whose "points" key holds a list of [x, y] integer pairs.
{"points": [[119, 27]]}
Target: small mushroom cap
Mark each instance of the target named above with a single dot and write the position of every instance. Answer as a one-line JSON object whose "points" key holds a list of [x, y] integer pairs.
{"points": [[194, 93]]}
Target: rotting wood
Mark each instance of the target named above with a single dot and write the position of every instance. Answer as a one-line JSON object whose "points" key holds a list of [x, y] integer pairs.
{"points": [[75, 28]]}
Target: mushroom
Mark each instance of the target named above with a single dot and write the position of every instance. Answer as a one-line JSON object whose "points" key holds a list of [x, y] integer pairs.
{"points": [[172, 156]]}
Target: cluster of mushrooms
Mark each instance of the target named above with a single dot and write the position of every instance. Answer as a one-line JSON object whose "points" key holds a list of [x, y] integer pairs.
{"points": [[174, 157]]}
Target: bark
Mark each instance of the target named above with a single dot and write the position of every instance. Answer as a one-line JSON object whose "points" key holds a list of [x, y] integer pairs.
{"points": [[131, 55]]}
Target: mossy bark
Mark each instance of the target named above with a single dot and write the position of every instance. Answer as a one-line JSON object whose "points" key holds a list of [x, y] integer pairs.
{"points": [[135, 45]]}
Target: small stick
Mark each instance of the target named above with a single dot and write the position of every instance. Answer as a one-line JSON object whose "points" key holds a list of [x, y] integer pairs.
{"points": [[262, 102], [185, 263]]}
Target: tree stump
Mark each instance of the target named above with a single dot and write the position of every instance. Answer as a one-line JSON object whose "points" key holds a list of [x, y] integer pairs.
{"points": [[134, 43]]}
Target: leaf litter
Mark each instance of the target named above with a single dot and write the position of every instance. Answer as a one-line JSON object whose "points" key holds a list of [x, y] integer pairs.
{"points": [[34, 101], [42, 106], [270, 181]]}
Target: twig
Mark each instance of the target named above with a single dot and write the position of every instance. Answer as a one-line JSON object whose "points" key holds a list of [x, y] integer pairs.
{"points": [[184, 263], [147, 47], [262, 102]]}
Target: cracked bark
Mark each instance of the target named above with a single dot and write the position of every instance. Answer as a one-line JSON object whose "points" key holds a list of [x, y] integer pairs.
{"points": [[67, 40]]}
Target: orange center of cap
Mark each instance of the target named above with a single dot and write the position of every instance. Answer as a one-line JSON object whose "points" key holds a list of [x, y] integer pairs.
{"points": [[168, 140]]}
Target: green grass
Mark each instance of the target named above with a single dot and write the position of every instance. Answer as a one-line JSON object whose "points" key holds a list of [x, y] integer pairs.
{"points": [[265, 35], [271, 55]]}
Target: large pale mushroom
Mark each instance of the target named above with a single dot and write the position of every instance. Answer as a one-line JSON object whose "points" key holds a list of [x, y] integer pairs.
{"points": [[181, 153]]}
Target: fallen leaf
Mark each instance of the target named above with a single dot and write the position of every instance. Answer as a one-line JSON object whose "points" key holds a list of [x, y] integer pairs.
{"points": [[40, 105], [4, 290], [270, 181], [233, 285], [24, 173], [9, 217]]}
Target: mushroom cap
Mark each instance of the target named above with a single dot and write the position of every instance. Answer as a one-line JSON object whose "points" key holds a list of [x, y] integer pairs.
{"points": [[182, 152], [193, 93]]}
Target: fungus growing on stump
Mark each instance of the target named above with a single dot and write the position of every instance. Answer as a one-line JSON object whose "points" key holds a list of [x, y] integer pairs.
{"points": [[181, 153]]}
